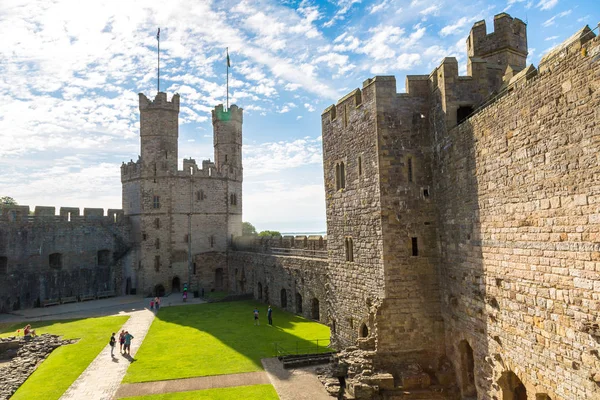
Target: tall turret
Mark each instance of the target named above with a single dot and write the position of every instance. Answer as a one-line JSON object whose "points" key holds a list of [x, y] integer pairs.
{"points": [[159, 131], [507, 45], [227, 127]]}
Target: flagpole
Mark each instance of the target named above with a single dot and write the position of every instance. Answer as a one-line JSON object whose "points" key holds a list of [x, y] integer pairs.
{"points": [[228, 78], [158, 77]]}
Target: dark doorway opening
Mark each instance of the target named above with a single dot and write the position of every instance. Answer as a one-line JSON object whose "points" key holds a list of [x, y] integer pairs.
{"points": [[176, 284], [314, 312], [467, 370], [159, 290], [219, 279], [298, 303], [512, 387], [259, 289], [463, 113], [283, 298], [364, 331]]}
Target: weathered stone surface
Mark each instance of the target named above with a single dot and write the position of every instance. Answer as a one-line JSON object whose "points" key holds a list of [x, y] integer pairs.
{"points": [[31, 352]]}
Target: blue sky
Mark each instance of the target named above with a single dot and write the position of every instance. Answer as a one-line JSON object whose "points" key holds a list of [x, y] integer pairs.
{"points": [[70, 72]]}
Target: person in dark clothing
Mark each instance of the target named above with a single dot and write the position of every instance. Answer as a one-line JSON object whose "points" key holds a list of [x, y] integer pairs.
{"points": [[340, 370], [270, 315]]}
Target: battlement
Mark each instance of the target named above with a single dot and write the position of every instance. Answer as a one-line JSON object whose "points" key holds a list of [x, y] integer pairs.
{"points": [[160, 102], [10, 213], [510, 34], [313, 246], [234, 113]]}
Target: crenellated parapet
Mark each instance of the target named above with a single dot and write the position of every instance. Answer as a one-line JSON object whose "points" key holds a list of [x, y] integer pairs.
{"points": [[234, 113], [18, 213], [301, 246], [159, 102]]}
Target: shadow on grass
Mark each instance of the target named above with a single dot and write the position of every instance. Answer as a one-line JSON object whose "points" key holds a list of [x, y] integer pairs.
{"points": [[220, 338]]}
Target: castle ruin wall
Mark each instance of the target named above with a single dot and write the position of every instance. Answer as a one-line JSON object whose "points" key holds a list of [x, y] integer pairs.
{"points": [[518, 195]]}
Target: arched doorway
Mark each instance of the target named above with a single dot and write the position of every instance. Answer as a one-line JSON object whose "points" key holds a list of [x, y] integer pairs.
{"points": [[512, 387], [159, 290], [176, 284], [259, 289], [314, 312], [283, 298], [467, 370], [219, 279], [298, 303]]}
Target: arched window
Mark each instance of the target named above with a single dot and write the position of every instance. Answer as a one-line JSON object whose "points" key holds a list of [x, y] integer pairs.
{"points": [[260, 292], [364, 330]]}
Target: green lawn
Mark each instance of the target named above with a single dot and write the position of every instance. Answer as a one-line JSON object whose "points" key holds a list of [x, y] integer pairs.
{"points": [[215, 295], [54, 376], [255, 392], [216, 339]]}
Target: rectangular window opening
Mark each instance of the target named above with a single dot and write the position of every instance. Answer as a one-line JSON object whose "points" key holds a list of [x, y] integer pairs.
{"points": [[156, 202], [3, 265], [157, 263], [410, 170], [415, 247], [359, 166]]}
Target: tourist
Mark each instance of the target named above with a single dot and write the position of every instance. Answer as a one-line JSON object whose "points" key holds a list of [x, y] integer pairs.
{"points": [[27, 331], [184, 296], [112, 344], [256, 321], [270, 315], [128, 337], [152, 304], [157, 303], [121, 340], [340, 371]]}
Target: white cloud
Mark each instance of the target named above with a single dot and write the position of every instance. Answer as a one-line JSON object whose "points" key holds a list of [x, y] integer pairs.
{"points": [[299, 117], [431, 10], [455, 28], [376, 7], [378, 45], [309, 107], [551, 38], [552, 21], [547, 4]]}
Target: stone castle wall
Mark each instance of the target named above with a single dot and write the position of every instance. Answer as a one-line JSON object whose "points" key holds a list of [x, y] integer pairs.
{"points": [[297, 284], [518, 195], [52, 258], [353, 212]]}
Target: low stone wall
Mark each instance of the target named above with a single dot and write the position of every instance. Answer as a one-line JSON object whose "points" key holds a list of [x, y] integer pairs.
{"points": [[31, 353]]}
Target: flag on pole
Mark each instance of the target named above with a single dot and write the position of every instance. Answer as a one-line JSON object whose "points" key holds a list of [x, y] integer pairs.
{"points": [[158, 34], [228, 61]]}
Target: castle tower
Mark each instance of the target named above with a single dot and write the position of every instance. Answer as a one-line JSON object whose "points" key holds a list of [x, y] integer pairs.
{"points": [[503, 48], [227, 127], [227, 137], [159, 131]]}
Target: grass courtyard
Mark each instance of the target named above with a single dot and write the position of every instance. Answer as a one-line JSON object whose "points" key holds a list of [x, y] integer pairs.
{"points": [[216, 339], [54, 376]]}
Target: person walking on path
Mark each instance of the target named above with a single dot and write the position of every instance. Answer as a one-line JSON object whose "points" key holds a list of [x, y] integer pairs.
{"points": [[157, 303], [152, 305], [128, 337], [121, 340], [112, 343], [270, 315], [256, 321]]}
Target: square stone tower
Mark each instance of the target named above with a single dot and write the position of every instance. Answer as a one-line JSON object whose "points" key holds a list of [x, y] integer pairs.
{"points": [[182, 220]]}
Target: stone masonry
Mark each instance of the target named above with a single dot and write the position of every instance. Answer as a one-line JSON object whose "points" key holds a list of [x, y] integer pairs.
{"points": [[182, 221], [49, 259], [462, 225]]}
